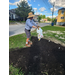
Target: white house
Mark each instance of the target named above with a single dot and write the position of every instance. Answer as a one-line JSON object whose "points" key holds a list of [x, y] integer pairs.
{"points": [[35, 17], [12, 15]]}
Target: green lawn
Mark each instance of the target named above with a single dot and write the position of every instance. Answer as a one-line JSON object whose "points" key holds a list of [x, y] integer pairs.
{"points": [[53, 28], [14, 71], [56, 32], [11, 21], [53, 32], [18, 41]]}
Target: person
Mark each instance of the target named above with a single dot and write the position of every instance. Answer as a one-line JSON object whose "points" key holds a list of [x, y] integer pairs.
{"points": [[40, 34], [29, 24]]}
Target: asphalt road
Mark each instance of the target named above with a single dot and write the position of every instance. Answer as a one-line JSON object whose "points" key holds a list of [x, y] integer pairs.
{"points": [[19, 29]]}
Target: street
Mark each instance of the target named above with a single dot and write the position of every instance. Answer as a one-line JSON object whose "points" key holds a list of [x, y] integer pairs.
{"points": [[18, 29]]}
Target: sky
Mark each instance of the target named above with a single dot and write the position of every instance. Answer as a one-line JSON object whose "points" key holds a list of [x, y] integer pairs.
{"points": [[43, 7]]}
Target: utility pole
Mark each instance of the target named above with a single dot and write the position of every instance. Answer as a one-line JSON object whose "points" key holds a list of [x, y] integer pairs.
{"points": [[36, 11], [53, 11]]}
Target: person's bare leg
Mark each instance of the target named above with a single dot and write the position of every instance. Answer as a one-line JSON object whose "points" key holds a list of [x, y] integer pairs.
{"points": [[27, 42], [27, 39]]}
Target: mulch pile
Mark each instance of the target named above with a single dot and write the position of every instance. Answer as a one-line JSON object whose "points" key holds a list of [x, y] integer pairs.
{"points": [[42, 58]]}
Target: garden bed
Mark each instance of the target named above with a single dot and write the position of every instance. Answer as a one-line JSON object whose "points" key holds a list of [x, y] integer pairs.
{"points": [[42, 58]]}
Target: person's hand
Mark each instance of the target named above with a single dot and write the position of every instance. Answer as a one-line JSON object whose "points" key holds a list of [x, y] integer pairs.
{"points": [[34, 26], [37, 25]]}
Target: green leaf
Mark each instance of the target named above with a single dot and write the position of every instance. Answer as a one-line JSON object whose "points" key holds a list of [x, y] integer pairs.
{"points": [[23, 9]]}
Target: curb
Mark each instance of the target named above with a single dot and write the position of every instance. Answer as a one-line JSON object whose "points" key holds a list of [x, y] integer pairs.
{"points": [[24, 32], [20, 33], [15, 34]]}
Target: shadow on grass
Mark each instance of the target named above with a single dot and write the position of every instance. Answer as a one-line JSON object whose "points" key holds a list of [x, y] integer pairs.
{"points": [[42, 58]]}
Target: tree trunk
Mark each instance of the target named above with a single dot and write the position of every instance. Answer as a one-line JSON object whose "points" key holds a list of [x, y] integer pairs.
{"points": [[23, 18]]}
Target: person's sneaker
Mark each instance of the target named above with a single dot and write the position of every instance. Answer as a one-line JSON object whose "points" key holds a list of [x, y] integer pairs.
{"points": [[39, 39], [28, 45]]}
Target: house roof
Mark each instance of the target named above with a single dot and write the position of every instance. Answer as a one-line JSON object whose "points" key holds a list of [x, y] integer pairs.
{"points": [[12, 11], [62, 9], [36, 16]]}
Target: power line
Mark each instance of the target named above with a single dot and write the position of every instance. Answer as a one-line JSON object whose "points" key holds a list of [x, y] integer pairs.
{"points": [[48, 8], [45, 5]]}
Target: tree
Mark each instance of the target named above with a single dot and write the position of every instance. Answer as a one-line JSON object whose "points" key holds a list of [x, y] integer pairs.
{"points": [[49, 19], [54, 20], [43, 16], [23, 9], [39, 18]]}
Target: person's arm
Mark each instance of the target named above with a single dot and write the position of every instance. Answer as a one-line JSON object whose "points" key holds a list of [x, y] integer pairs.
{"points": [[30, 24], [34, 26], [34, 23]]}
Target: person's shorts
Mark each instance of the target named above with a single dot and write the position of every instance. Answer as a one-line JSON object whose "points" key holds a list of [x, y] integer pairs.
{"points": [[28, 34]]}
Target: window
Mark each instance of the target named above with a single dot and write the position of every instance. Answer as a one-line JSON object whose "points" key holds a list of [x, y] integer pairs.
{"points": [[62, 17], [62, 12]]}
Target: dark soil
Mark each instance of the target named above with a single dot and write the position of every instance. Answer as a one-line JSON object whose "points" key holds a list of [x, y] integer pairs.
{"points": [[42, 58]]}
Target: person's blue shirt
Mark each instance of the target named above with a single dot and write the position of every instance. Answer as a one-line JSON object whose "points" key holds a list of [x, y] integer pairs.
{"points": [[29, 24]]}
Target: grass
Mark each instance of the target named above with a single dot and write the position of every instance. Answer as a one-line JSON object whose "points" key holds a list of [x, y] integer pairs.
{"points": [[51, 34], [53, 28], [11, 21], [18, 41], [21, 21], [14, 71]]}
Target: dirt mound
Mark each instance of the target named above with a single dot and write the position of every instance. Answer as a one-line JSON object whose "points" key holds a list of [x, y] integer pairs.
{"points": [[42, 58]]}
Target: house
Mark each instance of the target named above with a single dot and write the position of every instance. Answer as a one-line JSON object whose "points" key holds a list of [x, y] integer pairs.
{"points": [[12, 15], [45, 19], [35, 17], [61, 17], [42, 20]]}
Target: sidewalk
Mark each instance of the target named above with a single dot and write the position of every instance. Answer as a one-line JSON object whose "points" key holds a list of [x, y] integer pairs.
{"points": [[22, 32], [19, 29]]}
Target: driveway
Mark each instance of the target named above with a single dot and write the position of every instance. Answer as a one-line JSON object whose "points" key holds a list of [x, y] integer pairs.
{"points": [[19, 29]]}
